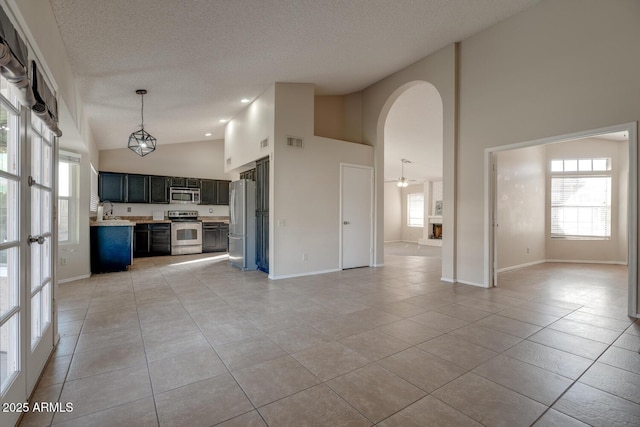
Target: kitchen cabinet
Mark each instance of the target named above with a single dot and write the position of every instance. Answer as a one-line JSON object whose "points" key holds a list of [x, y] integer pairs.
{"points": [[159, 189], [152, 240], [112, 187], [184, 182], [208, 191], [214, 192], [137, 188], [215, 237], [222, 192], [250, 174], [262, 214]]}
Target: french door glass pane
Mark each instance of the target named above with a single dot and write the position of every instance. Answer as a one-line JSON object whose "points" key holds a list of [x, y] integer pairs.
{"points": [[45, 179], [9, 280], [36, 208], [36, 273], [36, 159], [9, 148], [8, 210], [36, 325], [8, 351], [46, 306], [45, 214], [45, 256]]}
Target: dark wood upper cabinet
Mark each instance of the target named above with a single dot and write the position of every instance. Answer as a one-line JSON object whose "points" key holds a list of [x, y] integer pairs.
{"points": [[137, 188], [222, 190], [112, 187], [159, 189]]}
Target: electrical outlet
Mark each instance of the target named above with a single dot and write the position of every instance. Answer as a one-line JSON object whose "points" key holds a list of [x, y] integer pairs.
{"points": [[527, 250], [128, 208], [305, 257], [63, 261]]}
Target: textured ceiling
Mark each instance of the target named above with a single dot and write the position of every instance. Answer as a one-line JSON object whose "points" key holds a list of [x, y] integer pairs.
{"points": [[198, 58]]}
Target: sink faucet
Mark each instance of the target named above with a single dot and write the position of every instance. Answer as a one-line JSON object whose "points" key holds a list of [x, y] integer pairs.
{"points": [[110, 211]]}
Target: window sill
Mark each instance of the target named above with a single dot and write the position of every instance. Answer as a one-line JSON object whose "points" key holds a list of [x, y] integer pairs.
{"points": [[582, 238]]}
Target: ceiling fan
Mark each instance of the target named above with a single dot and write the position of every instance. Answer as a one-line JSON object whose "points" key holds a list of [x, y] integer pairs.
{"points": [[402, 181]]}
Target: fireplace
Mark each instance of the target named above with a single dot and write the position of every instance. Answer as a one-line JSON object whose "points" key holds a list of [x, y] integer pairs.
{"points": [[436, 231]]}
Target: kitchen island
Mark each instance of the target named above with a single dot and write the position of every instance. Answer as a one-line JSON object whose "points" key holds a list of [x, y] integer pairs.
{"points": [[111, 245]]}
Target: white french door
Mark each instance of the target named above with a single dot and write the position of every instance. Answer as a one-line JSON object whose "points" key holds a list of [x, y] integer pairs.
{"points": [[27, 168]]}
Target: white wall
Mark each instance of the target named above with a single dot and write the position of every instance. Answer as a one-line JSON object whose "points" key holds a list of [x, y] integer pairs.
{"points": [[520, 207], [438, 69], [613, 250], [242, 134], [392, 212]]}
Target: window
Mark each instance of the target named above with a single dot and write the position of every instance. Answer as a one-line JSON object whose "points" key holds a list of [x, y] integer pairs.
{"points": [[581, 198], [68, 169], [415, 209], [93, 200]]}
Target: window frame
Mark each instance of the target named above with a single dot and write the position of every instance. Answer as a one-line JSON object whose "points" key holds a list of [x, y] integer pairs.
{"points": [[576, 173], [73, 200], [410, 219]]}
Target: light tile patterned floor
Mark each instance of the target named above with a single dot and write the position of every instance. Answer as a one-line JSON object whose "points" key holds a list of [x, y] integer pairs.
{"points": [[189, 341]]}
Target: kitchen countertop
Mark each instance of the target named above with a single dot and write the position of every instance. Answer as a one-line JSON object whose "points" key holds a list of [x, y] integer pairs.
{"points": [[113, 223], [133, 220]]}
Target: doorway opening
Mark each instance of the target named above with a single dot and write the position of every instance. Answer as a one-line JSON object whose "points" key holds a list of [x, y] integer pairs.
{"points": [[413, 163], [568, 201]]}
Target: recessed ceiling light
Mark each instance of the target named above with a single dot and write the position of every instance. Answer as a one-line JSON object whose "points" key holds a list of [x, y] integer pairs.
{"points": [[245, 100], [207, 134], [223, 120]]}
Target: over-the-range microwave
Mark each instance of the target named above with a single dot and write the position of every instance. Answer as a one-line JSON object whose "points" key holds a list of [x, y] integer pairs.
{"points": [[184, 195]]}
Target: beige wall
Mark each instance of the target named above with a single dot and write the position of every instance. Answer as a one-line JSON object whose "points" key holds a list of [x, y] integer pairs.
{"points": [[519, 83], [200, 159], [613, 250], [520, 207], [392, 212], [339, 117], [305, 203]]}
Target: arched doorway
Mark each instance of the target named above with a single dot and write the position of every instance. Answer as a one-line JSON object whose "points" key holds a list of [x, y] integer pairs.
{"points": [[412, 133]]}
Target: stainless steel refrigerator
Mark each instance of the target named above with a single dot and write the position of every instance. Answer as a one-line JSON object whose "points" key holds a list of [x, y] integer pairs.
{"points": [[242, 224]]}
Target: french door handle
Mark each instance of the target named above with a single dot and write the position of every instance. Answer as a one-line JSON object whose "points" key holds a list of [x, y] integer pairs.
{"points": [[36, 239]]}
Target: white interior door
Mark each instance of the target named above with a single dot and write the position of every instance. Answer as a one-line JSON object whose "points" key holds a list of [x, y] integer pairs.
{"points": [[356, 215]]}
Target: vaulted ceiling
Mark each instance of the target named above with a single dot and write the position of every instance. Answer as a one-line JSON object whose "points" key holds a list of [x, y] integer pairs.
{"points": [[199, 58]]}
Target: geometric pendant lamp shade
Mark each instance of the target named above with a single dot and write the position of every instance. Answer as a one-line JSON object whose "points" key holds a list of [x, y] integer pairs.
{"points": [[141, 142]]}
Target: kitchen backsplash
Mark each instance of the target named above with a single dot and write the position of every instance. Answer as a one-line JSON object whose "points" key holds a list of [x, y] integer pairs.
{"points": [[147, 209]]}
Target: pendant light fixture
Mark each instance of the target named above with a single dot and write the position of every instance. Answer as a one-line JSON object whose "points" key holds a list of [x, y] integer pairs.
{"points": [[402, 182], [140, 141]]}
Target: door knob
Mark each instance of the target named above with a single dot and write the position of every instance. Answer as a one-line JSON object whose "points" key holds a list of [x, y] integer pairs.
{"points": [[36, 239], [346, 222]]}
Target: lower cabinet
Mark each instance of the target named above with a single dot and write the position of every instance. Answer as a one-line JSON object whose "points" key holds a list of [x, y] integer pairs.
{"points": [[215, 237], [151, 240], [110, 248]]}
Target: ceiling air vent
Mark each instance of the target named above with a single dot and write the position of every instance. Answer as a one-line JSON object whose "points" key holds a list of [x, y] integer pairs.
{"points": [[264, 143], [295, 142]]}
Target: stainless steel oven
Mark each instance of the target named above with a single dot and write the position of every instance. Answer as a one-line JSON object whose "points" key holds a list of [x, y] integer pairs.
{"points": [[186, 232]]}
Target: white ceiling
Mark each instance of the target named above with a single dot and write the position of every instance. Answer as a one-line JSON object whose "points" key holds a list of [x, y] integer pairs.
{"points": [[198, 58]]}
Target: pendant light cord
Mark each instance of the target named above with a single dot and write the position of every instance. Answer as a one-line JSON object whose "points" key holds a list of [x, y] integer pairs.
{"points": [[142, 111]]}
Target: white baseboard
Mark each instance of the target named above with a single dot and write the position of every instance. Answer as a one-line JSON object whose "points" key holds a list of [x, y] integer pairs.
{"points": [[73, 279], [578, 261], [464, 282], [310, 273], [446, 279], [515, 267]]}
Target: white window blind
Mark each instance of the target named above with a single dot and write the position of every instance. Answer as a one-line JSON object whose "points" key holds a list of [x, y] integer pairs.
{"points": [[93, 200], [581, 206], [415, 209]]}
